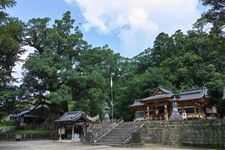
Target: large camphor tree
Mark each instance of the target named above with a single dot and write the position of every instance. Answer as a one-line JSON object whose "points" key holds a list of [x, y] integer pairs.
{"points": [[65, 68]]}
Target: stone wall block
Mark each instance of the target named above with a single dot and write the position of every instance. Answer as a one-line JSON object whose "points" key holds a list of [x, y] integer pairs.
{"points": [[194, 132]]}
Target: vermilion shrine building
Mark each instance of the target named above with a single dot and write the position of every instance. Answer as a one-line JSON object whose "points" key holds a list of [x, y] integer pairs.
{"points": [[159, 106]]}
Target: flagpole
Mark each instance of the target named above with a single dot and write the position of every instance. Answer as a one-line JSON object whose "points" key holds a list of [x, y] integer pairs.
{"points": [[111, 89]]}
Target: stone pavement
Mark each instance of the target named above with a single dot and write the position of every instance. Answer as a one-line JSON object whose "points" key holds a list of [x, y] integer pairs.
{"points": [[53, 145]]}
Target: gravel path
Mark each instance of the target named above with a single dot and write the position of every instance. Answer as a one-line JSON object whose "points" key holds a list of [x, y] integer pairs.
{"points": [[53, 145]]}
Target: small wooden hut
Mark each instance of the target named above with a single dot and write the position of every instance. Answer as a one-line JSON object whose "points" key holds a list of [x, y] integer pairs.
{"points": [[77, 121]]}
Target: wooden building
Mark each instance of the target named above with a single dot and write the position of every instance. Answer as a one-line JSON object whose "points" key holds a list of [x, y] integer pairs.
{"points": [[31, 117], [159, 106], [77, 122]]}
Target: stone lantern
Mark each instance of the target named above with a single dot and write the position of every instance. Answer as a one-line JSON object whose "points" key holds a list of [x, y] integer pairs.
{"points": [[175, 114], [106, 113]]}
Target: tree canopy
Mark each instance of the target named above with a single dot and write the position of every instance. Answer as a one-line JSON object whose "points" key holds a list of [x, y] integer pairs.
{"points": [[11, 31], [64, 69]]}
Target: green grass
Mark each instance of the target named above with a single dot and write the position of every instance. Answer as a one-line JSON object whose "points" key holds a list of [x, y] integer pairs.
{"points": [[33, 131], [7, 123]]}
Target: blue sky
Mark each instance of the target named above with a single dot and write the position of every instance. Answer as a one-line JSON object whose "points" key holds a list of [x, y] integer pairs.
{"points": [[127, 26], [27, 9]]}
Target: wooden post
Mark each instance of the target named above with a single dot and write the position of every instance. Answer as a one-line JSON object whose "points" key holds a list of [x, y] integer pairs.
{"points": [[166, 113], [195, 111], [84, 129], [60, 135], [182, 108], [73, 132], [148, 112]]}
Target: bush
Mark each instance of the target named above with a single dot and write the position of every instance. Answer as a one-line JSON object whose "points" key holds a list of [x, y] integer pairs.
{"points": [[33, 131], [2, 115], [7, 123]]}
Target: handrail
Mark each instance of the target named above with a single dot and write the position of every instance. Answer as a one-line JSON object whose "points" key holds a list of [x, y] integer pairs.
{"points": [[109, 130], [146, 116], [127, 136]]}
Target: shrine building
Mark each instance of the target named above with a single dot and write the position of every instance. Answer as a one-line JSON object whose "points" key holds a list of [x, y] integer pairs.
{"points": [[191, 104]]}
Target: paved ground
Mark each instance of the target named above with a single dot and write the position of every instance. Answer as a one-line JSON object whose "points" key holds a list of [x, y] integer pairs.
{"points": [[53, 145]]}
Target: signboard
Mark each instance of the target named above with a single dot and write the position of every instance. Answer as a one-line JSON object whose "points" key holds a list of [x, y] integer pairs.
{"points": [[61, 131]]}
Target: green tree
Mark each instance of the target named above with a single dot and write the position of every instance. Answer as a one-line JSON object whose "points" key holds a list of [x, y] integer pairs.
{"points": [[11, 32], [215, 15], [65, 67], [48, 71]]}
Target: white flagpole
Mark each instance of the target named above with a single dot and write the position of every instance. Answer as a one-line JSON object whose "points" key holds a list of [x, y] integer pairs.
{"points": [[111, 88]]}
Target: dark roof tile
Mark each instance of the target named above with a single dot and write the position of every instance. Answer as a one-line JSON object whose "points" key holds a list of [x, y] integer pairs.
{"points": [[72, 116], [157, 97], [136, 103]]}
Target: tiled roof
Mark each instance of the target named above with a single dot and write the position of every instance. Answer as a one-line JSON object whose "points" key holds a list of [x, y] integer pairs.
{"points": [[75, 116], [22, 113], [136, 103], [165, 90], [157, 97], [183, 96], [194, 94], [72, 116]]}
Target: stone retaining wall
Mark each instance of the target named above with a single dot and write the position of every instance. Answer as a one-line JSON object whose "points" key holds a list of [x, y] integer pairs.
{"points": [[196, 132]]}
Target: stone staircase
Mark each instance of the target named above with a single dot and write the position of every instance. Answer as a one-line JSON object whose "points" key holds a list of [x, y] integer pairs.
{"points": [[119, 135]]}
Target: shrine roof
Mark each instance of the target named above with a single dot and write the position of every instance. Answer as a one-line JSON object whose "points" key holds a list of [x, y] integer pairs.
{"points": [[22, 113], [137, 103], [72, 116], [157, 97], [193, 94], [76, 116], [165, 90]]}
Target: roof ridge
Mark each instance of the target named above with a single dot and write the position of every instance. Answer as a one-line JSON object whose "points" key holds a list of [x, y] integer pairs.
{"points": [[165, 88], [189, 92], [195, 89]]}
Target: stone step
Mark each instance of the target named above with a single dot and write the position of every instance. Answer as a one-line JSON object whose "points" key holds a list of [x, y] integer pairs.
{"points": [[120, 131], [110, 144], [116, 136], [112, 140], [113, 135]]}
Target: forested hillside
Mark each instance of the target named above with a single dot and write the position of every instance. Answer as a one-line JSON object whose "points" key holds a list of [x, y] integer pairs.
{"points": [[66, 71]]}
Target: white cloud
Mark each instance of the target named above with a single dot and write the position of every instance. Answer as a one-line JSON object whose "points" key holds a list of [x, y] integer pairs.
{"points": [[69, 1], [137, 22]]}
